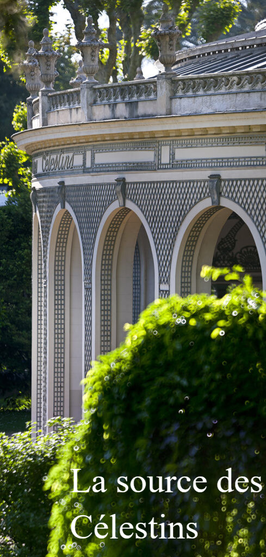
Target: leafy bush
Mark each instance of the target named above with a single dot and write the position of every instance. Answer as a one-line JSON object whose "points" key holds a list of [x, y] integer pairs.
{"points": [[17, 403], [12, 421], [24, 507], [183, 396], [15, 294], [15, 168], [19, 121]]}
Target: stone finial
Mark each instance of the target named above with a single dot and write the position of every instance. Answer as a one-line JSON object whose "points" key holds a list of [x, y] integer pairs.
{"points": [[214, 188], [120, 189], [47, 59], [166, 36], [32, 72], [80, 77], [90, 47], [139, 74]]}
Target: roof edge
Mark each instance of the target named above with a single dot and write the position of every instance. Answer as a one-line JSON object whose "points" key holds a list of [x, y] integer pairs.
{"points": [[239, 42]]}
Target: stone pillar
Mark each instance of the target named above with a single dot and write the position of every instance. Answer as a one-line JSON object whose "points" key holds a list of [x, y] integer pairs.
{"points": [[43, 106], [87, 99], [29, 113], [164, 92]]}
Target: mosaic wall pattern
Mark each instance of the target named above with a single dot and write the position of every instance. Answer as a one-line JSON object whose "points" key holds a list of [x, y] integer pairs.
{"points": [[75, 159], [174, 198], [59, 314], [188, 255], [106, 280], [39, 381], [89, 203], [136, 285]]}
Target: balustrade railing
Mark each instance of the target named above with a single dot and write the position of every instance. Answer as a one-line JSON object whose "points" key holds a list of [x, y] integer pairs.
{"points": [[64, 99]]}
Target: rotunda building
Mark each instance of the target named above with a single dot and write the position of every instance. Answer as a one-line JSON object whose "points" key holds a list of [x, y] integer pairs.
{"points": [[136, 185]]}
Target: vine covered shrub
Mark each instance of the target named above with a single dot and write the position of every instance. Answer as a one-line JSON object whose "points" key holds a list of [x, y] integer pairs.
{"points": [[185, 395], [24, 507]]}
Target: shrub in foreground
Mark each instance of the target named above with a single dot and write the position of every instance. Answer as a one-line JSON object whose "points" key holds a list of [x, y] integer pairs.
{"points": [[185, 395], [24, 507]]}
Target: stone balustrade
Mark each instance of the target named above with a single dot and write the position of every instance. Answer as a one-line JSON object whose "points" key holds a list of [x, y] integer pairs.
{"points": [[64, 99], [167, 94]]}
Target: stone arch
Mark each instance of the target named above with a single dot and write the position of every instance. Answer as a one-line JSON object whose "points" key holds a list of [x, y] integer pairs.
{"points": [[196, 243], [65, 316], [124, 274]]}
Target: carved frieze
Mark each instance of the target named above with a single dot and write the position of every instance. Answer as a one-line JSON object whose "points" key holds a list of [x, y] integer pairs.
{"points": [[153, 155], [251, 81]]}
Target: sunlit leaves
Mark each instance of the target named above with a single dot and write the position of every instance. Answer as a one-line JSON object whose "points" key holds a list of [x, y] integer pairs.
{"points": [[184, 395], [216, 17], [24, 507]]}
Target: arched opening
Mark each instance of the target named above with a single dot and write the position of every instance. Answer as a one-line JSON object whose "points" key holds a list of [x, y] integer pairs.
{"points": [[218, 236], [65, 362], [236, 246], [125, 277]]}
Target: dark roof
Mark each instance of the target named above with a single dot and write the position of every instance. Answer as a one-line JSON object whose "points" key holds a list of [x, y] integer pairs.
{"points": [[241, 53], [224, 62]]}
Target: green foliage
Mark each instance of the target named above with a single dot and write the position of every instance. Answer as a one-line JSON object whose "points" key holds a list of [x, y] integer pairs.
{"points": [[19, 121], [147, 44], [185, 395], [14, 23], [12, 421], [11, 93], [252, 12], [65, 65], [15, 170], [24, 506], [129, 34], [15, 403], [15, 272], [40, 12], [216, 17]]}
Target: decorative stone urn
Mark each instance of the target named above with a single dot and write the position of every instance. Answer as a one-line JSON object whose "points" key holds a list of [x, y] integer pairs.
{"points": [[80, 77], [32, 72], [47, 59], [90, 47], [165, 37]]}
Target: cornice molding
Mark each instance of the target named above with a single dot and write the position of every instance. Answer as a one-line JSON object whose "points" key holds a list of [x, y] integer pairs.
{"points": [[160, 127]]}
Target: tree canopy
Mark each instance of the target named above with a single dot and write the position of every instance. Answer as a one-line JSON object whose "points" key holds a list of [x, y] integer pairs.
{"points": [[130, 26], [15, 266]]}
